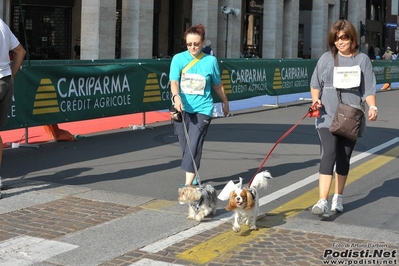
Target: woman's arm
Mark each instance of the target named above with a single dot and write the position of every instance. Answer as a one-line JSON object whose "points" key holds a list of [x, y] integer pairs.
{"points": [[175, 97], [219, 89]]}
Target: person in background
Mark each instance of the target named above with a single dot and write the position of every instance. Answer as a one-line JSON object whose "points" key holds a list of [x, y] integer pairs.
{"points": [[343, 41], [191, 95], [8, 42], [77, 49], [371, 52], [388, 54], [377, 52], [208, 49]]}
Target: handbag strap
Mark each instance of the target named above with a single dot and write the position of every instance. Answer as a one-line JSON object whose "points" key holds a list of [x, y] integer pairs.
{"points": [[336, 64], [193, 62]]}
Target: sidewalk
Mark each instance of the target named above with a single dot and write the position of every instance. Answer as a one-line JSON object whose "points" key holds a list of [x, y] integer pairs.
{"points": [[69, 226]]}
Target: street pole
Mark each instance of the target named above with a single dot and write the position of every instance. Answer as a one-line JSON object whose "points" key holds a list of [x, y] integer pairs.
{"points": [[227, 34]]}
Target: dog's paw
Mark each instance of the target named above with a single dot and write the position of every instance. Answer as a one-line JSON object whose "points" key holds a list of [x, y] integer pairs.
{"points": [[199, 217], [253, 227], [236, 228], [190, 217]]}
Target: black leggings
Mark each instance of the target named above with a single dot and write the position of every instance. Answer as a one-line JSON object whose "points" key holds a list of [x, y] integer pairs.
{"points": [[334, 150]]}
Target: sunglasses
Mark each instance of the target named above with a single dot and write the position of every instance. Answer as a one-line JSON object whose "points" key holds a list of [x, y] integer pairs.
{"points": [[196, 44], [342, 38]]}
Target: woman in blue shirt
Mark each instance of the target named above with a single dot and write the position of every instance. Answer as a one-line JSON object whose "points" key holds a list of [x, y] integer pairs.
{"points": [[191, 94]]}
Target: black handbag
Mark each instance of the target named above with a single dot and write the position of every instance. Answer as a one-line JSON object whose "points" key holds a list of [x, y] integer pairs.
{"points": [[174, 114]]}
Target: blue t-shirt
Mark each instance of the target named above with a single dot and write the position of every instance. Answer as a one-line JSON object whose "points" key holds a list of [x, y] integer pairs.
{"points": [[208, 68]]}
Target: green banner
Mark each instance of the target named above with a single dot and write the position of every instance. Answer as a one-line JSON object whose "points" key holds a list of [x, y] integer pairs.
{"points": [[253, 77], [51, 92]]}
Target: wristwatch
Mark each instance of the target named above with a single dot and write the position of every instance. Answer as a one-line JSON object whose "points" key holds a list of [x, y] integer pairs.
{"points": [[374, 107]]}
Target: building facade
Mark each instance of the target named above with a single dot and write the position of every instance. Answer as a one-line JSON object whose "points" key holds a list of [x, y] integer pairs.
{"points": [[110, 29]]}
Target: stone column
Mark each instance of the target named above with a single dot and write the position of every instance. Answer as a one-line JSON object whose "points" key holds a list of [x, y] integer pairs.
{"points": [[206, 13], [5, 9], [357, 13], [273, 28], [324, 14], [98, 29], [290, 29], [137, 28]]}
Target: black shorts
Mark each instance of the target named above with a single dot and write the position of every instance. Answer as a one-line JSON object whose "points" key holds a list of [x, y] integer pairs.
{"points": [[335, 150], [6, 93]]}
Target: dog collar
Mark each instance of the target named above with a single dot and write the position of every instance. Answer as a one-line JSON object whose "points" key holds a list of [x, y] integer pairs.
{"points": [[198, 204]]}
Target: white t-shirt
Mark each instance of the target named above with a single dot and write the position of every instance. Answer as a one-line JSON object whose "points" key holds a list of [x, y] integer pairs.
{"points": [[8, 42]]}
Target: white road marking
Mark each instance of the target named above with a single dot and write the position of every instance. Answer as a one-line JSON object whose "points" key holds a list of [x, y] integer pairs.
{"points": [[217, 220], [27, 250], [148, 262], [312, 178]]}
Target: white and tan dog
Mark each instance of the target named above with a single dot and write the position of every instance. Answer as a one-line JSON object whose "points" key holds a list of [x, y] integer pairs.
{"points": [[201, 201], [245, 202]]}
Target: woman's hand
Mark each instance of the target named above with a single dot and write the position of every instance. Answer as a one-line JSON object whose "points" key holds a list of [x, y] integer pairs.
{"points": [[226, 108], [177, 103], [372, 114], [317, 104]]}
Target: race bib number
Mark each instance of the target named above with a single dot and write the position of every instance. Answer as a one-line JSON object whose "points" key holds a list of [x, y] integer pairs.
{"points": [[347, 77], [192, 84]]}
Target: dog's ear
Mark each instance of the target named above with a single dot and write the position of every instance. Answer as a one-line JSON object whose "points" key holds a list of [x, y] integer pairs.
{"points": [[250, 200], [232, 202]]}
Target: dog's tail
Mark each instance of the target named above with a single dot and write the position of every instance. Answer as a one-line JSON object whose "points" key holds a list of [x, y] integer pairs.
{"points": [[260, 180]]}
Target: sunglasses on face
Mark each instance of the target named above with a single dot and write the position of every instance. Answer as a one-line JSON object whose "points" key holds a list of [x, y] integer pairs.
{"points": [[196, 44], [342, 38]]}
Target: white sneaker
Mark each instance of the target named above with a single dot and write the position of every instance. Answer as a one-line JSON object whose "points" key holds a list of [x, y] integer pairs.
{"points": [[336, 205], [320, 208]]}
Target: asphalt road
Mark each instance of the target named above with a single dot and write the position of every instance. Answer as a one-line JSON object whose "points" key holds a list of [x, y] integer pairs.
{"points": [[145, 165]]}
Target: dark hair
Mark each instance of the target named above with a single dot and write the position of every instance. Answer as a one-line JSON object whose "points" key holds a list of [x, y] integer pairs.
{"points": [[196, 29], [349, 30]]}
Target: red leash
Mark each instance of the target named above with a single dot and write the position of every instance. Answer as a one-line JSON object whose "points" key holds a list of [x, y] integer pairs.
{"points": [[312, 112]]}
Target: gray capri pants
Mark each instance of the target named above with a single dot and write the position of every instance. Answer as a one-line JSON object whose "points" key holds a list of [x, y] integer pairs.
{"points": [[197, 126]]}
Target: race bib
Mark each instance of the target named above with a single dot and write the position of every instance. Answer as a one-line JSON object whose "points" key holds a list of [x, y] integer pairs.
{"points": [[192, 83], [347, 77]]}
